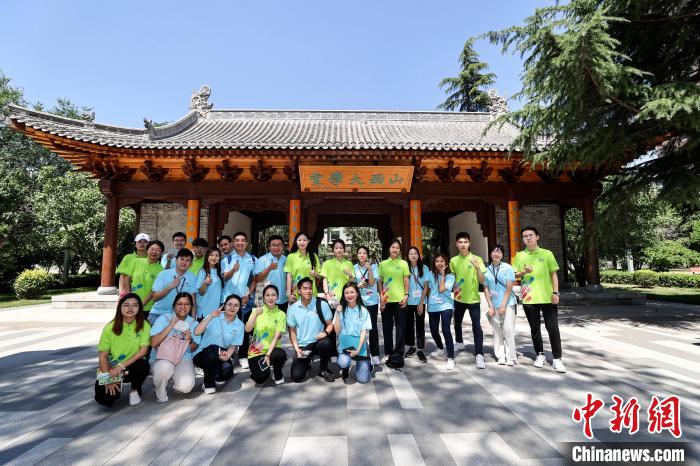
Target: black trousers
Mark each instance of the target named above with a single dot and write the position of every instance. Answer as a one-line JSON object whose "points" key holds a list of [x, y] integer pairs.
{"points": [[475, 316], [374, 333], [417, 330], [138, 371], [277, 359], [300, 366], [243, 349], [213, 367], [551, 323], [394, 317]]}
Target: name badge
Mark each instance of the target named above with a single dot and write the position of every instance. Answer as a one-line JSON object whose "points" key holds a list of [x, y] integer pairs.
{"points": [[439, 300], [367, 292], [417, 293]]}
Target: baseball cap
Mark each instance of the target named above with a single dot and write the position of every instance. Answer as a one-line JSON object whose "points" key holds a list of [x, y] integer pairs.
{"points": [[141, 236]]}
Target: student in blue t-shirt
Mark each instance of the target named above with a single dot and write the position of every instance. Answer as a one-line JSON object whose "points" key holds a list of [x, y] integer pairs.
{"points": [[417, 296], [222, 335], [270, 268], [352, 324], [498, 289], [209, 284], [171, 282], [441, 308], [169, 256], [366, 276]]}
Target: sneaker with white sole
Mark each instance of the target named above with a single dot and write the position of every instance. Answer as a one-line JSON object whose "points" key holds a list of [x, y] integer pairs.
{"points": [[163, 399], [438, 353], [376, 361], [558, 365], [540, 360], [510, 362], [450, 364], [198, 372], [134, 398], [459, 346], [243, 363], [280, 381], [480, 363], [501, 361], [209, 390]]}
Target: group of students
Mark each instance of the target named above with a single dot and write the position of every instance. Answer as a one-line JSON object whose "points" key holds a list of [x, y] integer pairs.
{"points": [[183, 309]]}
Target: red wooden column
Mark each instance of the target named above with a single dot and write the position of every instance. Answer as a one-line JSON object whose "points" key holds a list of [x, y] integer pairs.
{"points": [[109, 250], [514, 239], [294, 219], [416, 225], [192, 229], [591, 251]]}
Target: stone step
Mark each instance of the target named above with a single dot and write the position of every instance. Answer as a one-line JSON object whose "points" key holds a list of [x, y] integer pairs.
{"points": [[89, 300]]}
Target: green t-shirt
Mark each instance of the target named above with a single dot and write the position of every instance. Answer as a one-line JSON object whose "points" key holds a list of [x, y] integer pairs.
{"points": [[536, 286], [122, 347], [299, 266], [333, 271], [196, 266], [127, 262], [466, 289], [392, 271], [266, 325], [143, 274]]}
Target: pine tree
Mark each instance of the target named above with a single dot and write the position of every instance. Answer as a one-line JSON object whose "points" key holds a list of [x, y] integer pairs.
{"points": [[466, 93]]}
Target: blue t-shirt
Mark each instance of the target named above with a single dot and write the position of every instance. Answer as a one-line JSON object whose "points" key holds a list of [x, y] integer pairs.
{"points": [[162, 323], [164, 259], [223, 333], [188, 284], [416, 284], [238, 283], [277, 277], [437, 301], [369, 294], [353, 320], [306, 321], [212, 299], [496, 280]]}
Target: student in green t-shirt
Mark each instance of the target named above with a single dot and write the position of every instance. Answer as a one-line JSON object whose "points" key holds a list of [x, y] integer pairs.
{"points": [[302, 261], [537, 269], [199, 248], [267, 324], [141, 245], [336, 272], [122, 350], [393, 286], [141, 274], [468, 270]]}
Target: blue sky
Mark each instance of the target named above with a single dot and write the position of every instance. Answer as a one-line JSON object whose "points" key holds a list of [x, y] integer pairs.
{"points": [[130, 59]]}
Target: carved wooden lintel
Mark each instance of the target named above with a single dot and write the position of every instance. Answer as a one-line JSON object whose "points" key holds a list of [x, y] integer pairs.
{"points": [[513, 173], [262, 172], [109, 170], [447, 174], [227, 171], [192, 171], [419, 171], [292, 170], [481, 174], [152, 172], [548, 176]]}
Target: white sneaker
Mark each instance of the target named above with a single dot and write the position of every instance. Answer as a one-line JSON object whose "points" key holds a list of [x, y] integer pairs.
{"points": [[244, 363], [280, 381], [198, 372], [438, 353], [209, 390], [558, 365], [510, 362], [450, 364], [163, 399], [134, 398], [501, 361], [540, 360], [459, 346], [376, 361], [480, 363]]}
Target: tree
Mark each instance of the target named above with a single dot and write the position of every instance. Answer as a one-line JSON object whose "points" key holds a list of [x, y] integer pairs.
{"points": [[465, 93], [607, 81], [667, 255], [368, 237]]}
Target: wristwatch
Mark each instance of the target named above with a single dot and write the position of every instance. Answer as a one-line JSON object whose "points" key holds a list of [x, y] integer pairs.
{"points": [[555, 292]]}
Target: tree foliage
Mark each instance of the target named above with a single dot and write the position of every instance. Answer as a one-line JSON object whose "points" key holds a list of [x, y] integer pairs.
{"points": [[466, 92], [605, 82]]}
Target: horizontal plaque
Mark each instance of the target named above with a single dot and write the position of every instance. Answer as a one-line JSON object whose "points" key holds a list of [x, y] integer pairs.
{"points": [[360, 178]]}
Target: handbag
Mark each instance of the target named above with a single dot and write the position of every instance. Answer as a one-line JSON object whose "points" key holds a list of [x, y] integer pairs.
{"points": [[172, 349]]}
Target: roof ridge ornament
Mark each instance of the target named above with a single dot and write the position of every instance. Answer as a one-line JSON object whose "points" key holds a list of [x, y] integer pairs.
{"points": [[200, 101], [498, 105]]}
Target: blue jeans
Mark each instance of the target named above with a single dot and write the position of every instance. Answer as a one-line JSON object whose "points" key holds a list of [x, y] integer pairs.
{"points": [[363, 370], [435, 318]]}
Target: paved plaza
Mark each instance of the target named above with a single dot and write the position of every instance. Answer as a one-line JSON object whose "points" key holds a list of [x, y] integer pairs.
{"points": [[421, 415]]}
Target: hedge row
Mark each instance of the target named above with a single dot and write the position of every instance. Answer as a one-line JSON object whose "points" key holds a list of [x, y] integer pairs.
{"points": [[36, 282], [649, 279]]}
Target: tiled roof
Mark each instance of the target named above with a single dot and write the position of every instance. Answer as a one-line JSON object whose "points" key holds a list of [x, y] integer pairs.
{"points": [[264, 129]]}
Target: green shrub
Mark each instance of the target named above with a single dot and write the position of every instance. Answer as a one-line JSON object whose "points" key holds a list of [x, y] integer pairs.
{"points": [[83, 280], [33, 283], [679, 280], [646, 278], [617, 276], [667, 255]]}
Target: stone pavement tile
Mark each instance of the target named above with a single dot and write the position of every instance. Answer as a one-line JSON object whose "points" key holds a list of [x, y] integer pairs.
{"points": [[316, 392], [321, 420], [48, 396], [315, 451], [361, 396], [54, 342], [479, 448], [367, 439], [404, 449], [39, 452], [433, 450], [42, 373]]}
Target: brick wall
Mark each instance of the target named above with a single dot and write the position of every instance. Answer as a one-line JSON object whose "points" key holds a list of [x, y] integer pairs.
{"points": [[161, 220]]}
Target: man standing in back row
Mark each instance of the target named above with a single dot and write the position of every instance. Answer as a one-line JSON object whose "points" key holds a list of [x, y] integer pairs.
{"points": [[537, 269]]}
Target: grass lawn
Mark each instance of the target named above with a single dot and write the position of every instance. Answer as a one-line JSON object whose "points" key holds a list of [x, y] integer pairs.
{"points": [[662, 293], [10, 300]]}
